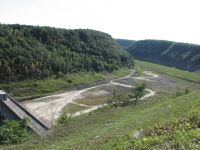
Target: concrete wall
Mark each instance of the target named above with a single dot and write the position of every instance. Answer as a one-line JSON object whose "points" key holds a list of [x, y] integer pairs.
{"points": [[3, 96], [12, 110], [28, 113], [7, 112]]}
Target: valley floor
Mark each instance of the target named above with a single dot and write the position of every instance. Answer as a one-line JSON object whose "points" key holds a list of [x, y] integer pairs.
{"points": [[116, 128], [48, 108]]}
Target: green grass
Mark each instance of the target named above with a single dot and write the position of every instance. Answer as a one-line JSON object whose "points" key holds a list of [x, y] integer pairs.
{"points": [[114, 128], [122, 72], [177, 134], [139, 72], [97, 100], [72, 108], [170, 71], [42, 87], [30, 89]]}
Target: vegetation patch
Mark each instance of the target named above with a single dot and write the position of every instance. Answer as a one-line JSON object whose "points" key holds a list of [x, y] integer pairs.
{"points": [[179, 91], [177, 134], [36, 88], [121, 99], [159, 122], [114, 128], [64, 117], [14, 132], [121, 72], [190, 76], [30, 89], [139, 72], [33, 52], [72, 108], [97, 100]]}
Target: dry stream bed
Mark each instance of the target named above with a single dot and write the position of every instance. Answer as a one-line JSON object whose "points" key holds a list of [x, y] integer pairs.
{"points": [[48, 108]]}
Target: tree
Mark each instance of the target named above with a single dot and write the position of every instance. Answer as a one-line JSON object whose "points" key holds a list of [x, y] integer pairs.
{"points": [[34, 52], [119, 99], [138, 91]]}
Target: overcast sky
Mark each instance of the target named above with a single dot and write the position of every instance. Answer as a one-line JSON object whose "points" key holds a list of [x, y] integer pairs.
{"points": [[174, 20]]}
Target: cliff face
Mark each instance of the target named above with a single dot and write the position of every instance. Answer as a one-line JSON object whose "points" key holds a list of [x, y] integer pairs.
{"points": [[180, 55]]}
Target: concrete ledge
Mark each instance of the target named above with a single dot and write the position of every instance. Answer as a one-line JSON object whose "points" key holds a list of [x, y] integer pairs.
{"points": [[26, 111], [8, 112]]}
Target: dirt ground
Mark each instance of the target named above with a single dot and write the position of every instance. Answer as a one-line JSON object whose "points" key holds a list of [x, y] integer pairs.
{"points": [[48, 108]]}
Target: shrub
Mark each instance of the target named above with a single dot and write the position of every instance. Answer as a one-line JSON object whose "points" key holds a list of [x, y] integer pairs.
{"points": [[138, 90], [64, 118], [118, 99], [124, 99], [12, 132], [179, 92], [178, 134]]}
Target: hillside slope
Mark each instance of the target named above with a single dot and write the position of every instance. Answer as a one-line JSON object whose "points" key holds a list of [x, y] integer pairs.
{"points": [[33, 52], [180, 55], [124, 43], [172, 122]]}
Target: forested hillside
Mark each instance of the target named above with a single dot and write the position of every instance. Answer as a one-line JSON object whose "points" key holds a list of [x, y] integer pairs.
{"points": [[124, 43], [33, 52], [180, 55]]}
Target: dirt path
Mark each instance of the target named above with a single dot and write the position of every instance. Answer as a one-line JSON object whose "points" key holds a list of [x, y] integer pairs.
{"points": [[124, 85], [48, 108]]}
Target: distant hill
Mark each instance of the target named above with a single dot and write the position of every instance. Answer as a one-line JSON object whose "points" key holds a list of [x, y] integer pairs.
{"points": [[124, 43], [180, 55], [33, 52]]}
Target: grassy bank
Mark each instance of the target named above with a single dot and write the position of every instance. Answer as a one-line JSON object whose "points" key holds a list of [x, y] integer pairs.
{"points": [[29, 89], [121, 72], [115, 128], [51, 85], [193, 76], [159, 122]]}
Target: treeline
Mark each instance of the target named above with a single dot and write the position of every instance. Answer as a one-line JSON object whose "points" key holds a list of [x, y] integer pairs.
{"points": [[33, 52], [124, 43], [180, 55]]}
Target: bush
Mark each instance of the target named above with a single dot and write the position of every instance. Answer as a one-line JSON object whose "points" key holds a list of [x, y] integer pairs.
{"points": [[124, 99], [178, 134], [138, 91], [119, 99], [64, 118], [179, 92], [12, 132]]}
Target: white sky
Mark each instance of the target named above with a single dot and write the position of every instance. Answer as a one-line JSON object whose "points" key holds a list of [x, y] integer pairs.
{"points": [[175, 20]]}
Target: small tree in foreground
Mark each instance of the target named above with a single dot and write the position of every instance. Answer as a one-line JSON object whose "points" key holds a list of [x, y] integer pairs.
{"points": [[138, 91]]}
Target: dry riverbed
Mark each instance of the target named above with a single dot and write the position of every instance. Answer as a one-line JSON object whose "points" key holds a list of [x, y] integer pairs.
{"points": [[48, 108]]}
